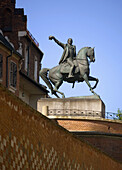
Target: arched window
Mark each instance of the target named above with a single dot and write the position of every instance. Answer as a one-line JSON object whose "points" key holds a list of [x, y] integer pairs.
{"points": [[35, 68], [1, 66]]}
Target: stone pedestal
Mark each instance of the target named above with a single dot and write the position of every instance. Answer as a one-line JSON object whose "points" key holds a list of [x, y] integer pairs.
{"points": [[90, 106]]}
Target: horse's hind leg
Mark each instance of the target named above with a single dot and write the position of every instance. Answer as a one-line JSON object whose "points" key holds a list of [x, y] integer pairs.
{"points": [[93, 79], [57, 85], [43, 74]]}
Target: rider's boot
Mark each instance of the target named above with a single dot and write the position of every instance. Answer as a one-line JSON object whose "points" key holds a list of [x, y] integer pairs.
{"points": [[71, 72]]}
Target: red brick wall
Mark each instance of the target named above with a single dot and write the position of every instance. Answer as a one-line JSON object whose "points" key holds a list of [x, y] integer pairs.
{"points": [[33, 52], [30, 140], [92, 125], [12, 20], [107, 136], [109, 144]]}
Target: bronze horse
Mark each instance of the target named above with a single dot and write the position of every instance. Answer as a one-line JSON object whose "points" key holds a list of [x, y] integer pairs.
{"points": [[60, 73]]}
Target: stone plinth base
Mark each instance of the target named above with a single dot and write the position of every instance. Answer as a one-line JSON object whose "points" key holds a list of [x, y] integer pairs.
{"points": [[90, 106]]}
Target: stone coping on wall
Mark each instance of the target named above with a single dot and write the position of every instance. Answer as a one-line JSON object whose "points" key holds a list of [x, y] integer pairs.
{"points": [[94, 97], [83, 118]]}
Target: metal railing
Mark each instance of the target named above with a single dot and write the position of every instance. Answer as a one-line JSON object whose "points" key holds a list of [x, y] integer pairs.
{"points": [[33, 39], [110, 115]]}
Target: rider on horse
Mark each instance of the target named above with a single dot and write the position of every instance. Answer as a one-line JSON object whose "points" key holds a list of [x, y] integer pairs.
{"points": [[68, 55]]}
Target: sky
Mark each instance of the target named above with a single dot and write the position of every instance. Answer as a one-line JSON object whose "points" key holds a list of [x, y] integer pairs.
{"points": [[93, 23]]}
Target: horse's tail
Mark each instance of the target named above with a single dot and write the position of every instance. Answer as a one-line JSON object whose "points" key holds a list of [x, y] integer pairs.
{"points": [[44, 75]]}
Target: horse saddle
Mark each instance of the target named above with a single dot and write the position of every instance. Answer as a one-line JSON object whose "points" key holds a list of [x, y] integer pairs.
{"points": [[65, 68]]}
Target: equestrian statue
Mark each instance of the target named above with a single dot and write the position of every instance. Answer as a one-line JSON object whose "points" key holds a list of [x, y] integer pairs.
{"points": [[72, 68]]}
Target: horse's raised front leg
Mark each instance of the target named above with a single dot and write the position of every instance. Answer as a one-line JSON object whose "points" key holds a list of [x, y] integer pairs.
{"points": [[93, 79], [85, 77]]}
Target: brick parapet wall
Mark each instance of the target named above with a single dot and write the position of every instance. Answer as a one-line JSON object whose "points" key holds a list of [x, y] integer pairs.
{"points": [[91, 124], [99, 132], [106, 142], [28, 140]]}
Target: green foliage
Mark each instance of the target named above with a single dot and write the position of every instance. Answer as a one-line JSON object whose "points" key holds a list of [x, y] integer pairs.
{"points": [[119, 114]]}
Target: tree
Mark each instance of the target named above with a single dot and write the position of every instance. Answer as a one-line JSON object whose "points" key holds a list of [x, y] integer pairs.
{"points": [[119, 114]]}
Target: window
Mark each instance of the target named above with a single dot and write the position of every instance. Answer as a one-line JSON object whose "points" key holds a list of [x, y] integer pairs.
{"points": [[1, 66], [27, 59], [13, 74], [35, 68]]}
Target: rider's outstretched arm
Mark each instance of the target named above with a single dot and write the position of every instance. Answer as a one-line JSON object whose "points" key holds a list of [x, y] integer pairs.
{"points": [[58, 42]]}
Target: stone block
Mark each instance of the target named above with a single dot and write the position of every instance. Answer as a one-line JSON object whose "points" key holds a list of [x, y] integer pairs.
{"points": [[90, 106]]}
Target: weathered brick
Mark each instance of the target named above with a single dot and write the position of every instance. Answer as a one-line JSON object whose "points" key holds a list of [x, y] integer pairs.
{"points": [[48, 145]]}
